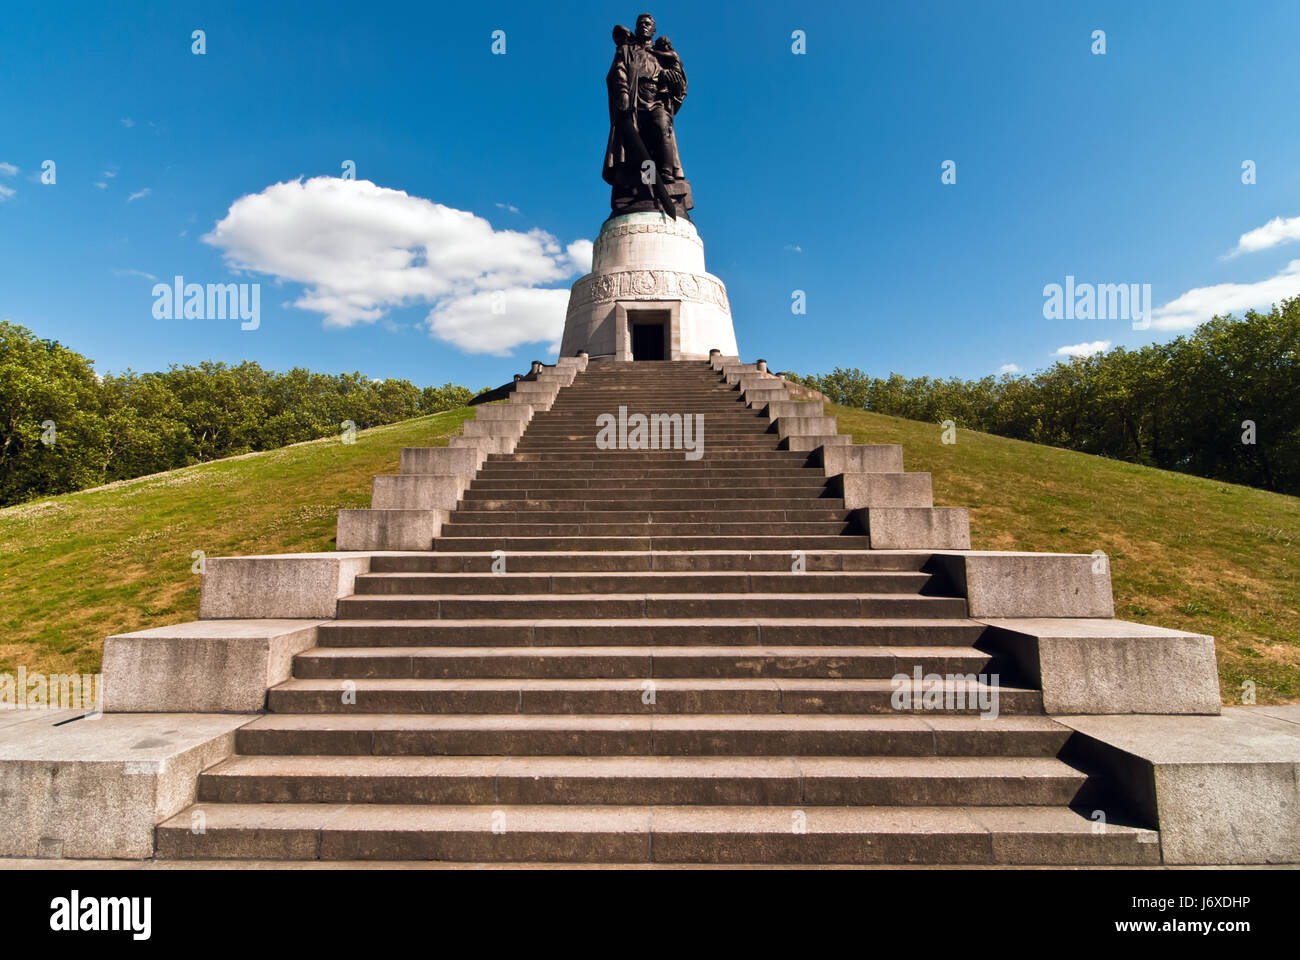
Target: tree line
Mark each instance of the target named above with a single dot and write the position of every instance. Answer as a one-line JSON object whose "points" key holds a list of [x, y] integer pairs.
{"points": [[63, 428], [1222, 402]]}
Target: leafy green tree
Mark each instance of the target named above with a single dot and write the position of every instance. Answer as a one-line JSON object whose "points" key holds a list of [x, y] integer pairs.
{"points": [[132, 424], [145, 431], [447, 397], [52, 438], [1185, 405]]}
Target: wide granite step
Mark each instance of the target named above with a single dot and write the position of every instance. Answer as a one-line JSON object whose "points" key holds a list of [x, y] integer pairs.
{"points": [[818, 781], [728, 734], [639, 662], [848, 632], [664, 605]]}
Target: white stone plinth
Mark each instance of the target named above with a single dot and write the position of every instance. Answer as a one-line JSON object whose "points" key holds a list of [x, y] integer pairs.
{"points": [[647, 266]]}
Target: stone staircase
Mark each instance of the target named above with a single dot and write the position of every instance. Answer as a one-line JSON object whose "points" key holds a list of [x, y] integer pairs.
{"points": [[625, 656]]}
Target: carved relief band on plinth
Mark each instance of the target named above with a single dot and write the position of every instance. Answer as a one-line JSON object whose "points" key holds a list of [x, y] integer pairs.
{"points": [[648, 285]]}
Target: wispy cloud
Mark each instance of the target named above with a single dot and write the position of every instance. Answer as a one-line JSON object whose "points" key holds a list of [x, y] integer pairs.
{"points": [[1083, 349], [8, 169], [508, 206], [793, 248], [138, 195], [1200, 304], [135, 273], [5, 192], [1009, 368], [1275, 233], [128, 122]]}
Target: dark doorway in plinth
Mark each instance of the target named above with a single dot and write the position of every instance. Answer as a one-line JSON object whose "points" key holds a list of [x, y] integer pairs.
{"points": [[650, 337]]}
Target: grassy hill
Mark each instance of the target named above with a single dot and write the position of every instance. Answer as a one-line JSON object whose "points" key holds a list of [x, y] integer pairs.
{"points": [[77, 568], [1185, 552], [1190, 553]]}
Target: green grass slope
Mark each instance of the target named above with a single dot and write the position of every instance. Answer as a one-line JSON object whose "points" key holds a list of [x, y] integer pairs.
{"points": [[1185, 552], [77, 568], [1189, 553]]}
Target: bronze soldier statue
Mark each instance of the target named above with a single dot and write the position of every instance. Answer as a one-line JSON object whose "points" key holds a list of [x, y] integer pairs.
{"points": [[647, 85]]}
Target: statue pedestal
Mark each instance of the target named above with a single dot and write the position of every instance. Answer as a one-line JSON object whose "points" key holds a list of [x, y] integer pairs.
{"points": [[648, 296]]}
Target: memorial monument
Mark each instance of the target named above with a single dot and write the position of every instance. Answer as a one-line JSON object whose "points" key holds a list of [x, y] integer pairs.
{"points": [[648, 296], [533, 647]]}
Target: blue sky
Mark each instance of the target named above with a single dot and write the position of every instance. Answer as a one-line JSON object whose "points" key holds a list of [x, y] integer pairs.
{"points": [[818, 172]]}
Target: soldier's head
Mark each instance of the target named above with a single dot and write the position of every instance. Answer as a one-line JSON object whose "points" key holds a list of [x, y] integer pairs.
{"points": [[645, 27]]}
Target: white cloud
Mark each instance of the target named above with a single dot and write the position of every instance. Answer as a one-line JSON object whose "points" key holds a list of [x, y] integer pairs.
{"points": [[1272, 234], [793, 248], [135, 273], [580, 253], [1009, 368], [8, 169], [101, 184], [508, 206], [1083, 349], [128, 122], [110, 174], [360, 250], [6, 193], [138, 195], [1200, 304], [524, 315]]}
